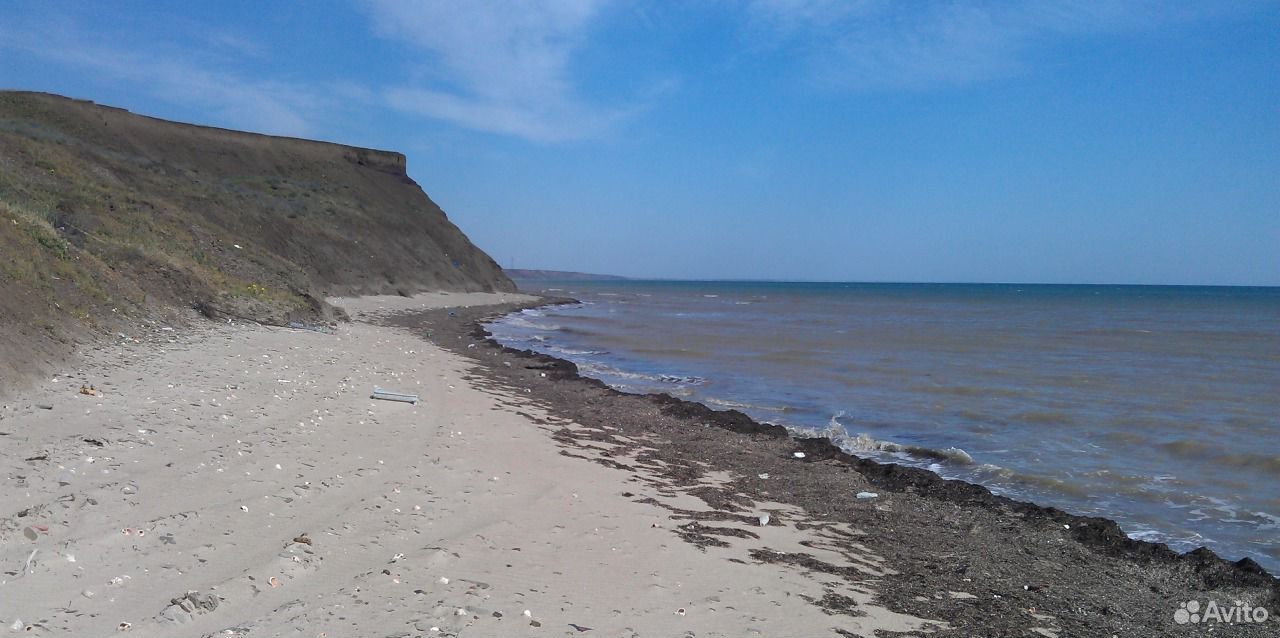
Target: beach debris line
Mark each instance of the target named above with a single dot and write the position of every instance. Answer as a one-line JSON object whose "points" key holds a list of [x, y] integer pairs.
{"points": [[388, 395], [192, 603]]}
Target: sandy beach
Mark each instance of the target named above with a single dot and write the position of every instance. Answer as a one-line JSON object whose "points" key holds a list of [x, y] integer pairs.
{"points": [[235, 479]]}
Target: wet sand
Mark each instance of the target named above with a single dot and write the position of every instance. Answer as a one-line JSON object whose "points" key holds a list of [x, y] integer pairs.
{"points": [[946, 551], [238, 480]]}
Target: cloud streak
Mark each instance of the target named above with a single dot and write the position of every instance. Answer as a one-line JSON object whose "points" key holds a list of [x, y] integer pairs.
{"points": [[260, 105], [501, 67], [885, 45]]}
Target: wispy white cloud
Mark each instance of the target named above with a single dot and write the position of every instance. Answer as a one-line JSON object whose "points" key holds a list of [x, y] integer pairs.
{"points": [[256, 104], [501, 66], [884, 44]]}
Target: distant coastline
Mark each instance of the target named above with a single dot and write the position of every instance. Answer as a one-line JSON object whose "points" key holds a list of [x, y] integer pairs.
{"points": [[558, 275]]}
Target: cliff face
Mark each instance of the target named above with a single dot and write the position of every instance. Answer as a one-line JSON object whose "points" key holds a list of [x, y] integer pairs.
{"points": [[107, 217]]}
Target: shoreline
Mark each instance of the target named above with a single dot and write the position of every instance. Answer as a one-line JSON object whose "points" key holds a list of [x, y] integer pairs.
{"points": [[1101, 531], [239, 480], [1201, 570]]}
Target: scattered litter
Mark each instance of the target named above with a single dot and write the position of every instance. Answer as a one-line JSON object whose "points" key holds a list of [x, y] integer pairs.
{"points": [[90, 391], [867, 495], [244, 508], [461, 612], [17, 625], [274, 582], [579, 628], [129, 489], [764, 520], [124, 626], [30, 533], [302, 538], [680, 612], [43, 406], [444, 581], [88, 593], [387, 395], [528, 614], [763, 476], [31, 561], [397, 557], [1065, 526], [798, 455]]}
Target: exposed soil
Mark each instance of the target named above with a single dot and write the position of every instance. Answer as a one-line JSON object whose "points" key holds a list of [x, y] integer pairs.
{"points": [[109, 219]]}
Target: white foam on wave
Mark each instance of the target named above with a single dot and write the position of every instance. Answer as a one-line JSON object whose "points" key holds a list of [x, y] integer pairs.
{"points": [[520, 322], [738, 405], [602, 370], [864, 444], [571, 352]]}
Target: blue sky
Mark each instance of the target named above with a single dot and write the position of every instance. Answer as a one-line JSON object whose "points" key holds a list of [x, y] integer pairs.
{"points": [[1129, 142]]}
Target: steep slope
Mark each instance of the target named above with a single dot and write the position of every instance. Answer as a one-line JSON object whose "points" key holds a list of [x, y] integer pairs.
{"points": [[108, 218]]}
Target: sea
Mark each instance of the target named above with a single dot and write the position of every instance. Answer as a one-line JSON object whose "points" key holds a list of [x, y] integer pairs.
{"points": [[1156, 406]]}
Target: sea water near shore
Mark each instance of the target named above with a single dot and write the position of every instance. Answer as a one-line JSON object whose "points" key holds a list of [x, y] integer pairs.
{"points": [[1155, 406]]}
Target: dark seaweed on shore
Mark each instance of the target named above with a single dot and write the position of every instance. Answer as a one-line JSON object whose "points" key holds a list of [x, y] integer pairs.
{"points": [[1133, 581]]}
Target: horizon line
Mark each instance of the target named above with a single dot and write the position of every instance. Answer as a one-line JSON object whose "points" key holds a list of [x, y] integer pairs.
{"points": [[611, 277]]}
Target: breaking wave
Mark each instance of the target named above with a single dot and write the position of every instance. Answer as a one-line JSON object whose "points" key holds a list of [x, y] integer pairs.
{"points": [[862, 444]]}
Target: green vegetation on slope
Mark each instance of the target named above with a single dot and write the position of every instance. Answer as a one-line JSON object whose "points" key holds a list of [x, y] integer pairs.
{"points": [[107, 216]]}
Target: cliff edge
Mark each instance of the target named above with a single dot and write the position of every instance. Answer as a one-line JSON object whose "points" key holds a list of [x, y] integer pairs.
{"points": [[112, 221]]}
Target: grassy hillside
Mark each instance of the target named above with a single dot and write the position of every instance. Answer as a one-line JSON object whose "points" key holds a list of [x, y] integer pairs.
{"points": [[109, 220]]}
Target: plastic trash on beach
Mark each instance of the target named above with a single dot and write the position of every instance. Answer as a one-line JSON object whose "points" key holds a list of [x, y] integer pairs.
{"points": [[388, 395], [764, 520], [865, 495], [798, 455]]}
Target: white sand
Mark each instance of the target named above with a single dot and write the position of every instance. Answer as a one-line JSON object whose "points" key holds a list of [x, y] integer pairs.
{"points": [[451, 517]]}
